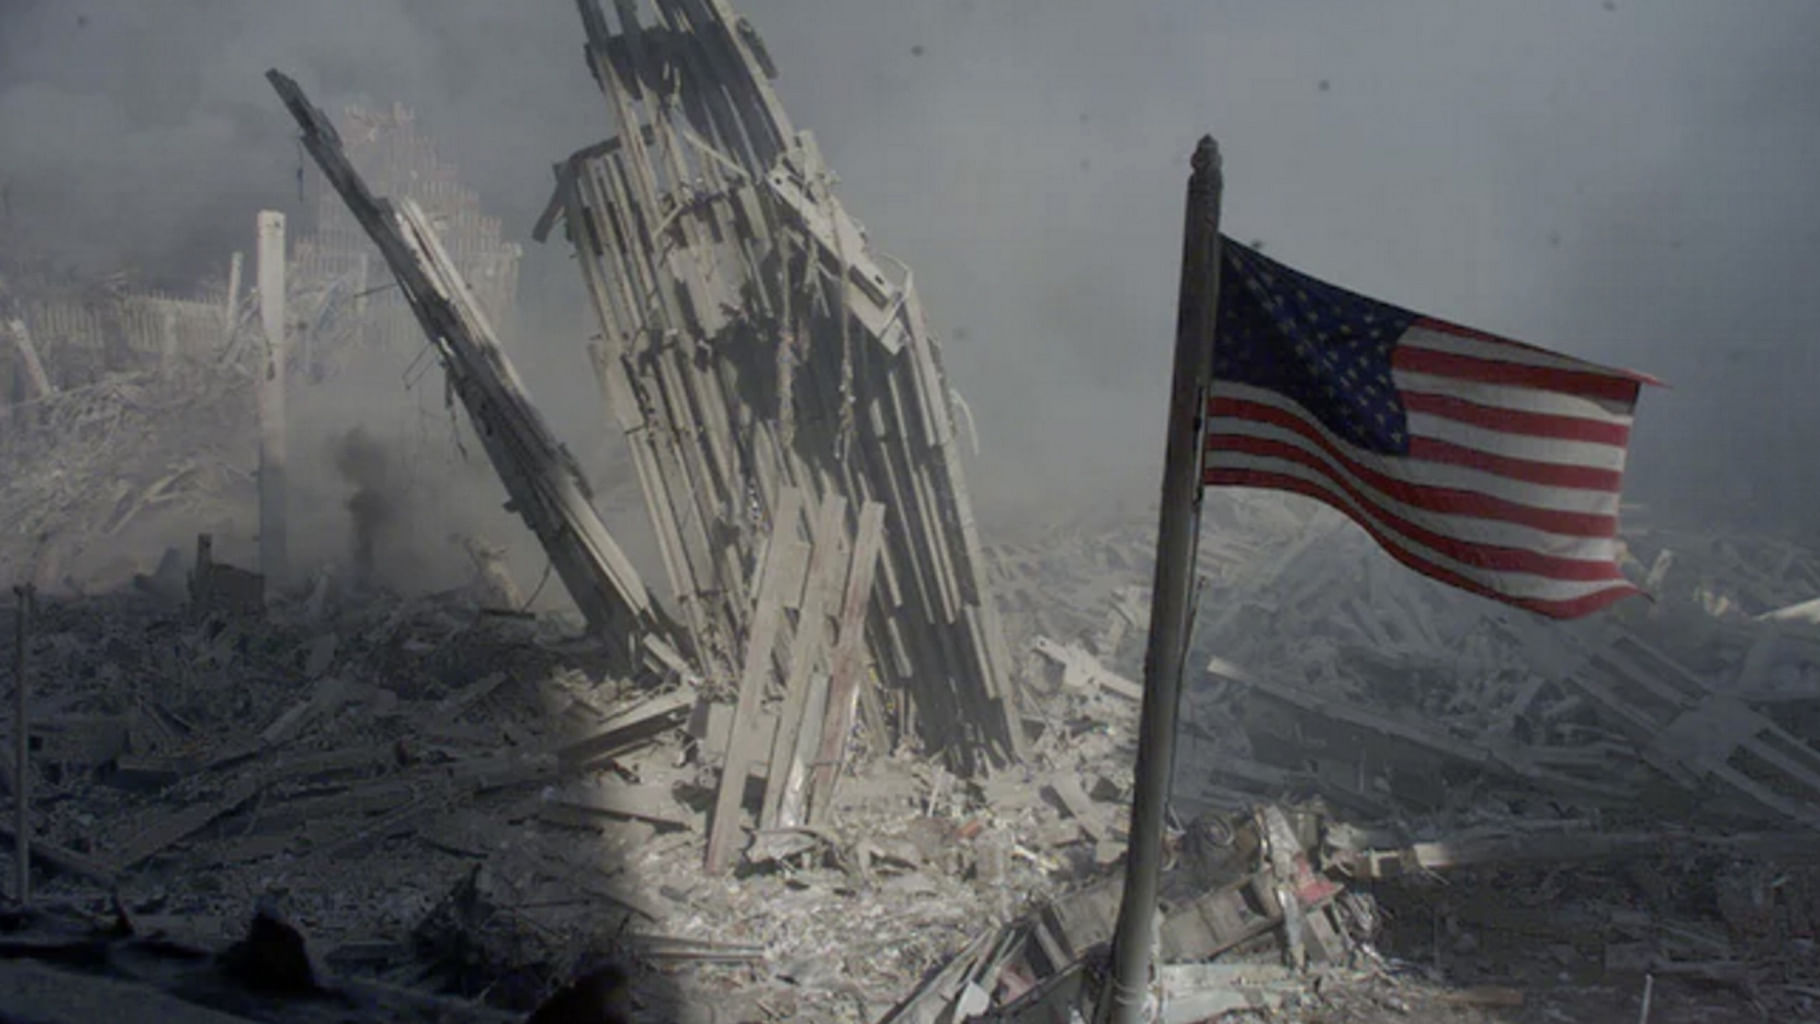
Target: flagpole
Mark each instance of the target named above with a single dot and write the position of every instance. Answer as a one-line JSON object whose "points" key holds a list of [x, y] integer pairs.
{"points": [[1178, 538]]}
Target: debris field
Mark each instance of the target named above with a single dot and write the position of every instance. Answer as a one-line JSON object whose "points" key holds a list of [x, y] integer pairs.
{"points": [[854, 758]]}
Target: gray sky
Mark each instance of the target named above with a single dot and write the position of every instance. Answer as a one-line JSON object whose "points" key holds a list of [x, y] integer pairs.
{"points": [[1629, 182]]}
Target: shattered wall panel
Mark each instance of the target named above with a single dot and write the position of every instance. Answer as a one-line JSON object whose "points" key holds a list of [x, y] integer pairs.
{"points": [[545, 487], [339, 262], [81, 337], [752, 342]]}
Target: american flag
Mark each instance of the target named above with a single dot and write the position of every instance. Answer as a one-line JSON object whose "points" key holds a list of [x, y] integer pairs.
{"points": [[1483, 462]]}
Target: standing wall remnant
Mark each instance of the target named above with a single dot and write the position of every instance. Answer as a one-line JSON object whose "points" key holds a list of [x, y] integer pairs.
{"points": [[751, 343], [545, 486], [339, 261]]}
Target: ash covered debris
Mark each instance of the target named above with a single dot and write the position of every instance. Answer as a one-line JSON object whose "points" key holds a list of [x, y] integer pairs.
{"points": [[1538, 817], [120, 408], [465, 804]]}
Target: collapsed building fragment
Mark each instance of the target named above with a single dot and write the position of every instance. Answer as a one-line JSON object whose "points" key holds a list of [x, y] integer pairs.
{"points": [[337, 257], [751, 342], [711, 302], [92, 374], [545, 486]]}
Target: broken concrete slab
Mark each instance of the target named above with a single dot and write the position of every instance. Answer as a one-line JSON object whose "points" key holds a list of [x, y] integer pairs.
{"points": [[1080, 669]]}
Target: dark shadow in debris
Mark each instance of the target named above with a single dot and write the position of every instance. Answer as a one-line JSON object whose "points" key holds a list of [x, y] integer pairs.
{"points": [[1576, 944], [348, 806]]}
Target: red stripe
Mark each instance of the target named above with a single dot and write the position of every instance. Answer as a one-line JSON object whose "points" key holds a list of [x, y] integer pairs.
{"points": [[1583, 383], [1486, 556], [1513, 421], [1450, 500], [1429, 449], [1444, 327], [1545, 474], [1572, 608]]}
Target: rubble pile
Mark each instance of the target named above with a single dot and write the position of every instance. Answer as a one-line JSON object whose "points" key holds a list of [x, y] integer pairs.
{"points": [[453, 798], [1485, 796], [85, 464], [1655, 710], [1327, 668], [451, 801]]}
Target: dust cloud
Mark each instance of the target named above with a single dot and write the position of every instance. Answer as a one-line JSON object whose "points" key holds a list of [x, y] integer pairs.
{"points": [[1624, 181]]}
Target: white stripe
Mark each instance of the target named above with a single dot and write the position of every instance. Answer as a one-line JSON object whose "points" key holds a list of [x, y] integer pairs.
{"points": [[1516, 446], [1419, 336], [1513, 584], [1518, 399], [1464, 528], [1421, 471]]}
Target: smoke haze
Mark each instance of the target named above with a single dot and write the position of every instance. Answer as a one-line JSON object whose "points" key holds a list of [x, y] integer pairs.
{"points": [[1627, 182]]}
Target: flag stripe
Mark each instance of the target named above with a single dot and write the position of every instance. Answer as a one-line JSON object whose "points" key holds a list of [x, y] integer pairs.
{"points": [[1489, 371], [1543, 403], [1428, 474], [1559, 607], [1516, 421], [1542, 454], [1586, 478], [1462, 536], [1390, 476], [1427, 332], [1521, 582]]}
